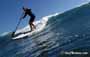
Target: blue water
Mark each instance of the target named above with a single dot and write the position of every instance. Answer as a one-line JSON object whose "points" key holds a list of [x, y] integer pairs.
{"points": [[69, 31]]}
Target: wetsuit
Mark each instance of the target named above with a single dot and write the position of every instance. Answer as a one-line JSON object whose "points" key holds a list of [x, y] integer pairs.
{"points": [[28, 12]]}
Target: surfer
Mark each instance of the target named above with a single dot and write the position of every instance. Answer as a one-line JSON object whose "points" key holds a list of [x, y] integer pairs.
{"points": [[28, 12]]}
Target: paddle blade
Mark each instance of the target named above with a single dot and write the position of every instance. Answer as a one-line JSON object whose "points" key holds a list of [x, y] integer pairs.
{"points": [[13, 34]]}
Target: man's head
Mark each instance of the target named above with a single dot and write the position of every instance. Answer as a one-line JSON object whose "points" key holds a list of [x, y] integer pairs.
{"points": [[24, 8]]}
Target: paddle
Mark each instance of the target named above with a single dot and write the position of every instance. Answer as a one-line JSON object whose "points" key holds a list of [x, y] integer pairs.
{"points": [[13, 33]]}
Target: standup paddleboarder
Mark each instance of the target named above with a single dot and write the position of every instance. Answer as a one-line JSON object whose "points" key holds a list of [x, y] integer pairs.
{"points": [[28, 12]]}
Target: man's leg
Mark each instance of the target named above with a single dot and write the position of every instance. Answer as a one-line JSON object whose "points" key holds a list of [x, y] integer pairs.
{"points": [[34, 26], [31, 23], [31, 26]]}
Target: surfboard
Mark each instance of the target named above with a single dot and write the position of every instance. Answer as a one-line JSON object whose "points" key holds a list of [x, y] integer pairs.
{"points": [[23, 35]]}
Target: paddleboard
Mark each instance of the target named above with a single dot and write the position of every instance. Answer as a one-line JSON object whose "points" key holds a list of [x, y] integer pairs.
{"points": [[25, 35]]}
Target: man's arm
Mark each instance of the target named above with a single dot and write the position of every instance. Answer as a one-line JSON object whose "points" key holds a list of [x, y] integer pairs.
{"points": [[24, 15]]}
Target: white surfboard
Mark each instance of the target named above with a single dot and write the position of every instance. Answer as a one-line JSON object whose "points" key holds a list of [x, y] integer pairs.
{"points": [[25, 35]]}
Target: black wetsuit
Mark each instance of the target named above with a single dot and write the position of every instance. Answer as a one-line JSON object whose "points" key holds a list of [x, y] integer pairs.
{"points": [[28, 12]]}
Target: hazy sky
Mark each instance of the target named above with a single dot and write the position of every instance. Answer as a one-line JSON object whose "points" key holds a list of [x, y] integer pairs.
{"points": [[11, 10]]}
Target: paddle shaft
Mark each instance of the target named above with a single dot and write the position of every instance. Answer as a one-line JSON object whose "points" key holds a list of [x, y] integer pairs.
{"points": [[16, 27]]}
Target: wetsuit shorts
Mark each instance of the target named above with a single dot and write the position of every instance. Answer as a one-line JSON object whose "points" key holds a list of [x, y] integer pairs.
{"points": [[32, 18]]}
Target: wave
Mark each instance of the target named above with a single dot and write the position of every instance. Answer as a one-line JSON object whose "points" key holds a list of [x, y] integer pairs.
{"points": [[62, 32]]}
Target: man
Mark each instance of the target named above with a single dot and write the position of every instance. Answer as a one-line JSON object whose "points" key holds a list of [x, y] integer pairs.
{"points": [[29, 13]]}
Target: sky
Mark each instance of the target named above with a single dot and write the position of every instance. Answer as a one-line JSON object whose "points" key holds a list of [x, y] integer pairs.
{"points": [[11, 10]]}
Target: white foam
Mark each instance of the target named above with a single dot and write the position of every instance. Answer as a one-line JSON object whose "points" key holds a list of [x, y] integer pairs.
{"points": [[5, 33]]}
